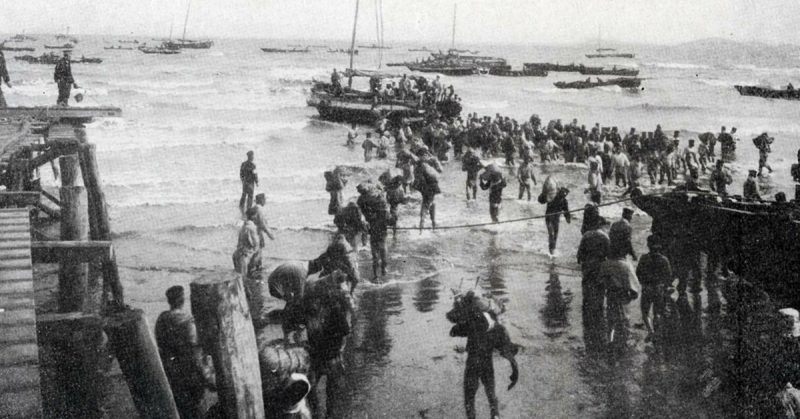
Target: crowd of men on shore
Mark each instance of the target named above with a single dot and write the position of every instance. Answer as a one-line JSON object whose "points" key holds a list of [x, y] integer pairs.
{"points": [[625, 161], [610, 281]]}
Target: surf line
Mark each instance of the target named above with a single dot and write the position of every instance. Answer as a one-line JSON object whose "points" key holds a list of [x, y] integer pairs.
{"points": [[516, 220]]}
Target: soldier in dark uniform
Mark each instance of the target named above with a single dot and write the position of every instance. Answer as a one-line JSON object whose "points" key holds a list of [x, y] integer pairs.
{"points": [[249, 177], [63, 77], [181, 355], [376, 210], [592, 252], [338, 256], [554, 209], [3, 79], [620, 236]]}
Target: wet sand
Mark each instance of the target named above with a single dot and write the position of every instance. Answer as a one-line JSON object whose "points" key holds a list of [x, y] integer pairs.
{"points": [[400, 360]]}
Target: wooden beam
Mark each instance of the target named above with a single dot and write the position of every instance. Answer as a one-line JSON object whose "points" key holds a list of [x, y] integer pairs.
{"points": [[54, 150], [79, 251], [19, 198], [50, 196]]}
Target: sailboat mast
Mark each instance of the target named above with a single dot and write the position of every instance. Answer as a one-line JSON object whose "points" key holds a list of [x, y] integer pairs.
{"points": [[353, 47], [186, 21], [378, 31], [171, 24], [599, 44], [453, 42], [380, 43]]}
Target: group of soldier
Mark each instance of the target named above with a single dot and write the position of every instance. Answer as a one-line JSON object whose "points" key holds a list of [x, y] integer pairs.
{"points": [[610, 282], [610, 157], [414, 88]]}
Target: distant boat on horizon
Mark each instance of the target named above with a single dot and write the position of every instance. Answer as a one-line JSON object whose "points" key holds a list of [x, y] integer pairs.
{"points": [[790, 93], [21, 37], [3, 47], [65, 36], [375, 46], [184, 43], [161, 49], [583, 84], [285, 50], [65, 46], [601, 51], [613, 55]]}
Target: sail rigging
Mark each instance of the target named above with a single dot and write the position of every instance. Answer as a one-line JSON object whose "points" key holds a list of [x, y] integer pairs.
{"points": [[453, 42], [186, 20], [353, 46], [379, 30]]}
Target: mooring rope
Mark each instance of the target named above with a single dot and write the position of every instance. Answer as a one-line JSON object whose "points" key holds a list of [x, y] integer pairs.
{"points": [[534, 217]]}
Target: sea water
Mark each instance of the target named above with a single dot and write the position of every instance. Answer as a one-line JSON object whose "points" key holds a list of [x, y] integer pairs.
{"points": [[170, 165]]}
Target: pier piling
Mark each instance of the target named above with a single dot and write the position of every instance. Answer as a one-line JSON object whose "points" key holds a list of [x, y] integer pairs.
{"points": [[73, 275], [226, 331], [99, 227], [133, 345]]}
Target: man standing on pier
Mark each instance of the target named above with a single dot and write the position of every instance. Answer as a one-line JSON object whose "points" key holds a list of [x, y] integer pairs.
{"points": [[63, 77], [3, 79], [249, 177], [176, 336]]}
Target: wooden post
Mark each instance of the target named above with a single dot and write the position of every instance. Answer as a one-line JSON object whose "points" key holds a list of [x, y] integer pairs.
{"points": [[70, 169], [70, 349], [226, 332], [99, 227], [133, 345], [72, 275], [19, 173]]}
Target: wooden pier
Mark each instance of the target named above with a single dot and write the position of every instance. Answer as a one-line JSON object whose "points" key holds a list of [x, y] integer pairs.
{"points": [[50, 364], [29, 139]]}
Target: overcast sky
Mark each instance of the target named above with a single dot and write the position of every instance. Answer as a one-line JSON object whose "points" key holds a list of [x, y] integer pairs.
{"points": [[492, 21]]}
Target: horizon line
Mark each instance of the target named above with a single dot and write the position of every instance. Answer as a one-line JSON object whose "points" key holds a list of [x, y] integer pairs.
{"points": [[608, 42]]}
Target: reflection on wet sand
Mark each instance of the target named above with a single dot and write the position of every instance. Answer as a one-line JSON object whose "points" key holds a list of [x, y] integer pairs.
{"points": [[673, 375], [495, 272], [427, 294], [556, 308], [370, 339]]}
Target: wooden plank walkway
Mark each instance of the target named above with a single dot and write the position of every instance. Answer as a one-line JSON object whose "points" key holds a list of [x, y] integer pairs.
{"points": [[20, 394]]}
